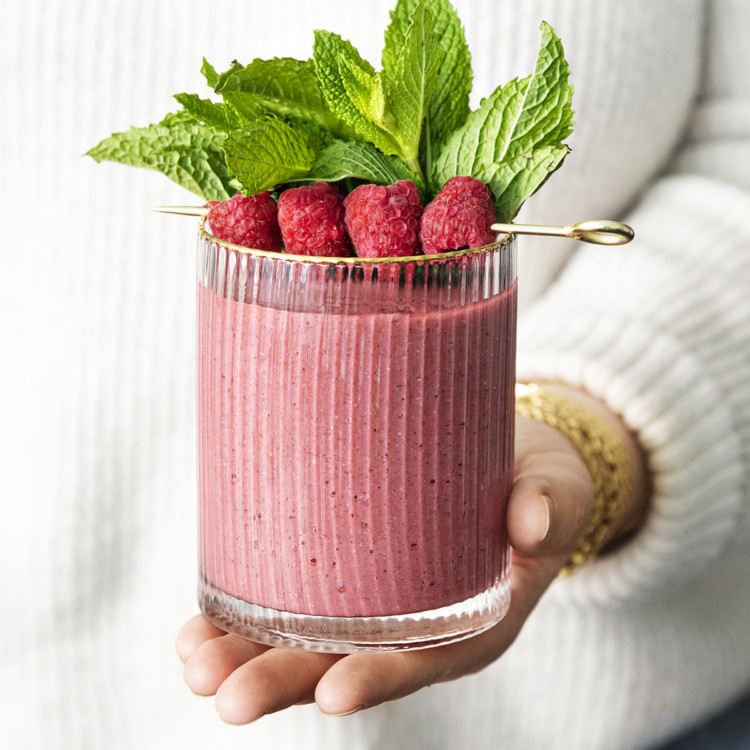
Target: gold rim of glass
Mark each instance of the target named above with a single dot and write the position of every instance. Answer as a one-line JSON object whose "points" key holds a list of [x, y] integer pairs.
{"points": [[354, 260]]}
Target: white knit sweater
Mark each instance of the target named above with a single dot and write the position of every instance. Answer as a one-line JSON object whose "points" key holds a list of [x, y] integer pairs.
{"points": [[97, 542]]}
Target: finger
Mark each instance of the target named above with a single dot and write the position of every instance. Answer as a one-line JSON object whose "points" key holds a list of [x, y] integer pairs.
{"points": [[276, 679], [193, 634], [549, 505], [363, 680], [215, 660]]}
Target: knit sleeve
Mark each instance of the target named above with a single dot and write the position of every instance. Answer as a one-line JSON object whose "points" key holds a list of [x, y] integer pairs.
{"points": [[660, 330]]}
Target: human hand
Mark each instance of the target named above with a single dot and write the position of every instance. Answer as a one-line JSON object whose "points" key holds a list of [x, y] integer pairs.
{"points": [[550, 505]]}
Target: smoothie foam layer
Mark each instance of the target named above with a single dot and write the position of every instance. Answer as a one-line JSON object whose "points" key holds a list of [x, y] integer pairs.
{"points": [[355, 464]]}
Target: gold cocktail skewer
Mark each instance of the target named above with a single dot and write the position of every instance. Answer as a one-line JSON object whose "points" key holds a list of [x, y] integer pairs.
{"points": [[599, 232], [182, 210]]}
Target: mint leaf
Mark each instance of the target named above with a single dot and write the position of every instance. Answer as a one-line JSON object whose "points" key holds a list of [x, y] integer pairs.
{"points": [[215, 115], [519, 178], [410, 83], [501, 138], [317, 137], [359, 160], [448, 106], [209, 73], [352, 89], [268, 153], [364, 87], [247, 108], [213, 79], [281, 86], [187, 152]]}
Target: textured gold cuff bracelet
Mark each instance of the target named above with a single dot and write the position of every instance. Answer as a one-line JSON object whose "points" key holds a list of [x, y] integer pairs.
{"points": [[601, 451]]}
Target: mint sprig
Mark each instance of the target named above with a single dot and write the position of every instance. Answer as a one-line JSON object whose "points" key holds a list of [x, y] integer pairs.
{"points": [[189, 153], [448, 105], [513, 142], [335, 117], [410, 83], [353, 90]]}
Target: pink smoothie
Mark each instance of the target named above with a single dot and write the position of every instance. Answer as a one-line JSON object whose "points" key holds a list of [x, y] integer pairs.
{"points": [[354, 464]]}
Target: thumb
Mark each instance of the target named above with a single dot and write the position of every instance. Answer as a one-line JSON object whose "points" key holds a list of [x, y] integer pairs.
{"points": [[551, 502]]}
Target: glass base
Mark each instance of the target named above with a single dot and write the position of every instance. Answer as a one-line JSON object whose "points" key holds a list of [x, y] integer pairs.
{"points": [[343, 635]]}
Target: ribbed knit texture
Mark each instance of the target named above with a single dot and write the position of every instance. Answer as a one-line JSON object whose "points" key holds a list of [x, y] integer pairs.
{"points": [[98, 541]]}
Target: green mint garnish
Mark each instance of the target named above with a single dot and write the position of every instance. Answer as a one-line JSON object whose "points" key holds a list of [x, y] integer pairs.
{"points": [[353, 90], [353, 159], [189, 153], [282, 87], [448, 105], [336, 118], [411, 83], [513, 142], [269, 152], [215, 115]]}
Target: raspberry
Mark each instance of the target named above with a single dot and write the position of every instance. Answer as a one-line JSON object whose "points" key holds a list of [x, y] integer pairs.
{"points": [[384, 221], [459, 217], [312, 221], [250, 222]]}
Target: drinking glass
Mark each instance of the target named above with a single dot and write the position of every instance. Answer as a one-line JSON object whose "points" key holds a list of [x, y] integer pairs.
{"points": [[355, 444]]}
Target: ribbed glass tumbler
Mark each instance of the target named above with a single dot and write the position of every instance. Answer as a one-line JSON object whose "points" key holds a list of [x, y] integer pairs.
{"points": [[355, 445]]}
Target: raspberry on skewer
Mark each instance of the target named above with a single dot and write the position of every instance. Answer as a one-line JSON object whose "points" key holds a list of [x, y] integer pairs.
{"points": [[311, 219], [384, 220], [459, 217], [248, 221]]}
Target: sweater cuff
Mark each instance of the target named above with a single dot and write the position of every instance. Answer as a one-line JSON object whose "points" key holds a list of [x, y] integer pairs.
{"points": [[685, 428], [668, 394]]}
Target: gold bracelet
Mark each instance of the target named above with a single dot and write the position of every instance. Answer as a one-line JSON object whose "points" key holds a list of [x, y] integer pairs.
{"points": [[601, 451]]}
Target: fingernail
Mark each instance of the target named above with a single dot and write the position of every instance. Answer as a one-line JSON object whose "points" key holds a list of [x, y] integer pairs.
{"points": [[350, 712], [544, 536]]}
